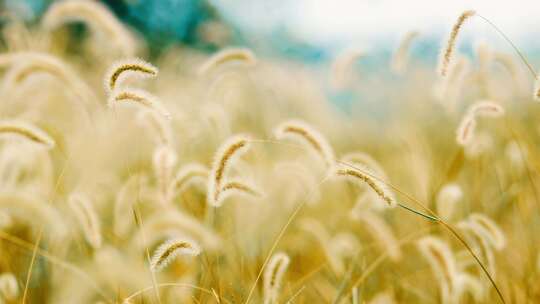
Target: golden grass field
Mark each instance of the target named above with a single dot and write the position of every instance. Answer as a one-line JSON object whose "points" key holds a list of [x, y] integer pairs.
{"points": [[230, 178]]}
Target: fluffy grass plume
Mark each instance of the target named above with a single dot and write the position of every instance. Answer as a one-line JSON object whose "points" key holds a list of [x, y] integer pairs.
{"points": [[365, 175], [170, 250], [224, 158], [187, 175], [96, 16], [465, 130], [27, 132], [448, 51], [222, 57], [9, 287], [164, 160], [87, 218], [382, 233], [469, 284], [24, 64], [467, 126], [237, 187], [366, 160], [447, 199], [273, 276], [140, 98], [486, 109], [493, 233], [125, 69], [36, 63], [443, 265], [343, 66], [300, 130], [401, 56], [479, 240], [26, 209]]}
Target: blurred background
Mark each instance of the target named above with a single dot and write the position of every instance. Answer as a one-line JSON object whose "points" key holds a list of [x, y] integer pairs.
{"points": [[314, 33], [314, 30]]}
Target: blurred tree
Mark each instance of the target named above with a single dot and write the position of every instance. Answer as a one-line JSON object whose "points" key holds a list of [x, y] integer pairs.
{"points": [[162, 22]]}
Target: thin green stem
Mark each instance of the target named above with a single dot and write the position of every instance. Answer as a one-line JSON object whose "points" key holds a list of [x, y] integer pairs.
{"points": [[429, 217], [531, 69]]}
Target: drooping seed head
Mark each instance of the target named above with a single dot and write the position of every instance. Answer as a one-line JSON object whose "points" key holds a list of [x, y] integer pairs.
{"points": [[467, 283], [494, 233], [467, 126], [364, 160], [342, 67], [447, 199], [86, 217], [124, 69], [95, 15], [465, 130], [236, 187], [383, 233], [245, 56], [480, 242], [168, 251], [441, 260], [24, 64], [27, 131], [273, 276], [486, 108], [225, 156], [138, 97], [401, 56], [9, 288], [297, 129], [365, 175], [187, 175]]}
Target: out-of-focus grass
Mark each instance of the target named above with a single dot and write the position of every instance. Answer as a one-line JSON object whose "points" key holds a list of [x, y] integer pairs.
{"points": [[340, 238]]}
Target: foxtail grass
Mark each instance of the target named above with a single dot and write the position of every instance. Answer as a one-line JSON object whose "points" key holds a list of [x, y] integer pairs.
{"points": [[273, 276], [125, 69], [168, 251], [448, 51], [26, 131], [245, 56]]}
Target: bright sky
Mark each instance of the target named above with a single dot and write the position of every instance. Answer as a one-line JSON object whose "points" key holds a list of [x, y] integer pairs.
{"points": [[363, 21]]}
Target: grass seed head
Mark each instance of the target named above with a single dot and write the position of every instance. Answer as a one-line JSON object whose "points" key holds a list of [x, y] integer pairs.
{"points": [[273, 276], [297, 129], [448, 51], [27, 131], [140, 98], [125, 69], [168, 251], [245, 56], [224, 158], [87, 218]]}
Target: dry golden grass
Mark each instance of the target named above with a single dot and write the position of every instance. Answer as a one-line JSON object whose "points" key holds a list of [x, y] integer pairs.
{"points": [[88, 192]]}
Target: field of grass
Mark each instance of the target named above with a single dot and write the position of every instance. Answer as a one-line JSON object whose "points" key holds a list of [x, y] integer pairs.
{"points": [[231, 178]]}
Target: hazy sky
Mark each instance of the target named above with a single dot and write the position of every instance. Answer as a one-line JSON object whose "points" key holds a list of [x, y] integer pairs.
{"points": [[362, 21]]}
